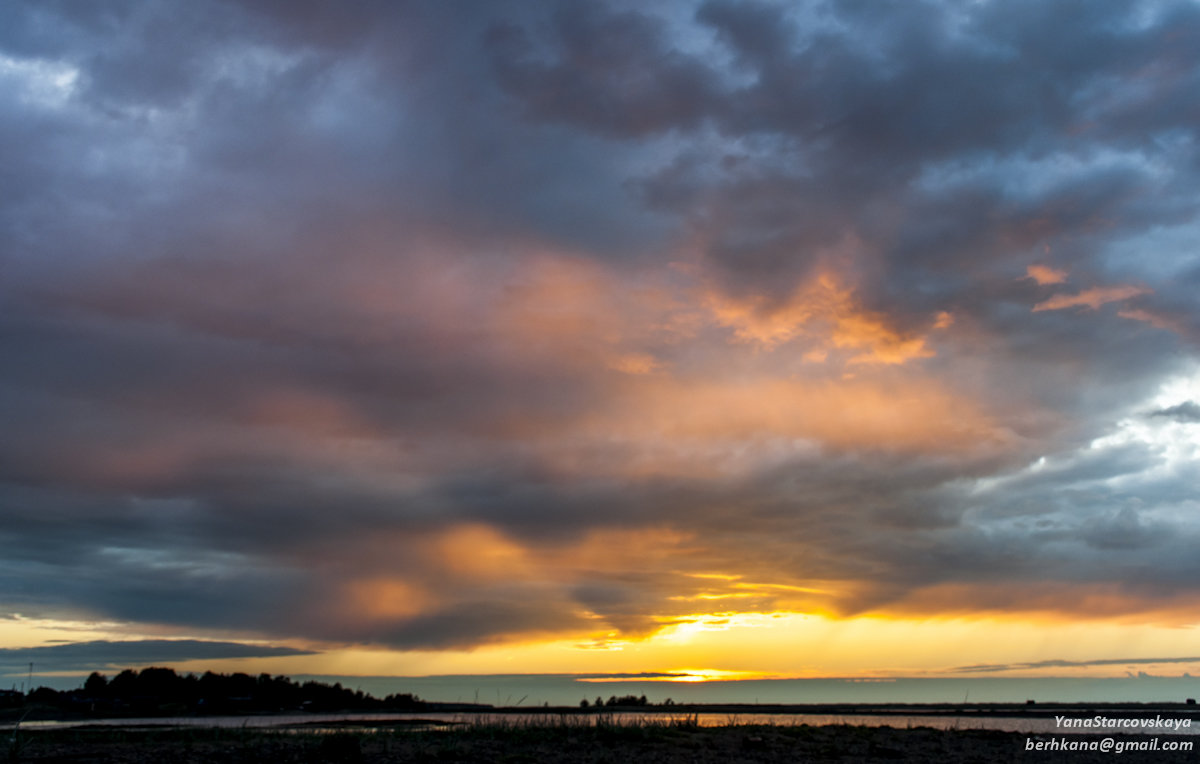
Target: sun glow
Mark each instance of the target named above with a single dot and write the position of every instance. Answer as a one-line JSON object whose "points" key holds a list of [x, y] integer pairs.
{"points": [[687, 675], [705, 647]]}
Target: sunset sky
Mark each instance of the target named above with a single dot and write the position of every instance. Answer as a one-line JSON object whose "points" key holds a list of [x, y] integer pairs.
{"points": [[729, 339]]}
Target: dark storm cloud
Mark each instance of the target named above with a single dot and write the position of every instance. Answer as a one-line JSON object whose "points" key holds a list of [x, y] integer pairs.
{"points": [[614, 71], [296, 297], [937, 138], [102, 654], [468, 624], [1188, 412]]}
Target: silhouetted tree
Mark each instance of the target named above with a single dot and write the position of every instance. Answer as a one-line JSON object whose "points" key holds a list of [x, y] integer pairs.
{"points": [[96, 685], [626, 700], [124, 685], [160, 683], [241, 685], [44, 695], [405, 701]]}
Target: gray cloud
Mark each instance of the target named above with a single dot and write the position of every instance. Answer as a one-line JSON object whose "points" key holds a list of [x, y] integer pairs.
{"points": [[613, 71], [1187, 412], [995, 667], [293, 297], [102, 655]]}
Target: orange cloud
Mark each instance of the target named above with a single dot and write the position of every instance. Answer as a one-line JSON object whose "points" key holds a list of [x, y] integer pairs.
{"points": [[905, 413], [1091, 298], [879, 342], [1044, 274], [568, 311], [480, 552], [1157, 320], [383, 598], [635, 363], [753, 321], [826, 314]]}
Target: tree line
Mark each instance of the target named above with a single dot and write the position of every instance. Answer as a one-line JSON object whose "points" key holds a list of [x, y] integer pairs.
{"points": [[163, 690], [614, 701]]}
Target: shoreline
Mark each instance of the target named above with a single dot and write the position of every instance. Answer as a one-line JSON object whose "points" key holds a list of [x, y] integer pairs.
{"points": [[968, 710], [667, 743]]}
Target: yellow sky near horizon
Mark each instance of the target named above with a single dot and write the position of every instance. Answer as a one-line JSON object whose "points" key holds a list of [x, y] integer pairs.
{"points": [[730, 646]]}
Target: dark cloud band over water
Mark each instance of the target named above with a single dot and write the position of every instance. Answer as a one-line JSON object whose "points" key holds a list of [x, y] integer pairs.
{"points": [[87, 656]]}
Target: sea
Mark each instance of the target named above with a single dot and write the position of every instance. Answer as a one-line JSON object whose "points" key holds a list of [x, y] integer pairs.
{"points": [[567, 689], [531, 690]]}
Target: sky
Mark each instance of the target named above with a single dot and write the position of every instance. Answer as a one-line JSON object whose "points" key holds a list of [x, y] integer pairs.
{"points": [[718, 339]]}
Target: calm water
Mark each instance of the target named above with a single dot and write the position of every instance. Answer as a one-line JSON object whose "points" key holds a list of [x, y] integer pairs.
{"points": [[316, 721], [567, 690], [528, 690]]}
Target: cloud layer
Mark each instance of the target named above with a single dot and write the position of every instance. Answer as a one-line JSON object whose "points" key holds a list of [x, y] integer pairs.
{"points": [[99, 654], [433, 325]]}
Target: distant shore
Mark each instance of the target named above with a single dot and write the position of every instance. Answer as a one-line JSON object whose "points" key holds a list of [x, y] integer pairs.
{"points": [[965, 710]]}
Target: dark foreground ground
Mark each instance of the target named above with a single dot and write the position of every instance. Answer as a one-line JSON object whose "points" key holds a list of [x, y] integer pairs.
{"points": [[528, 744]]}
